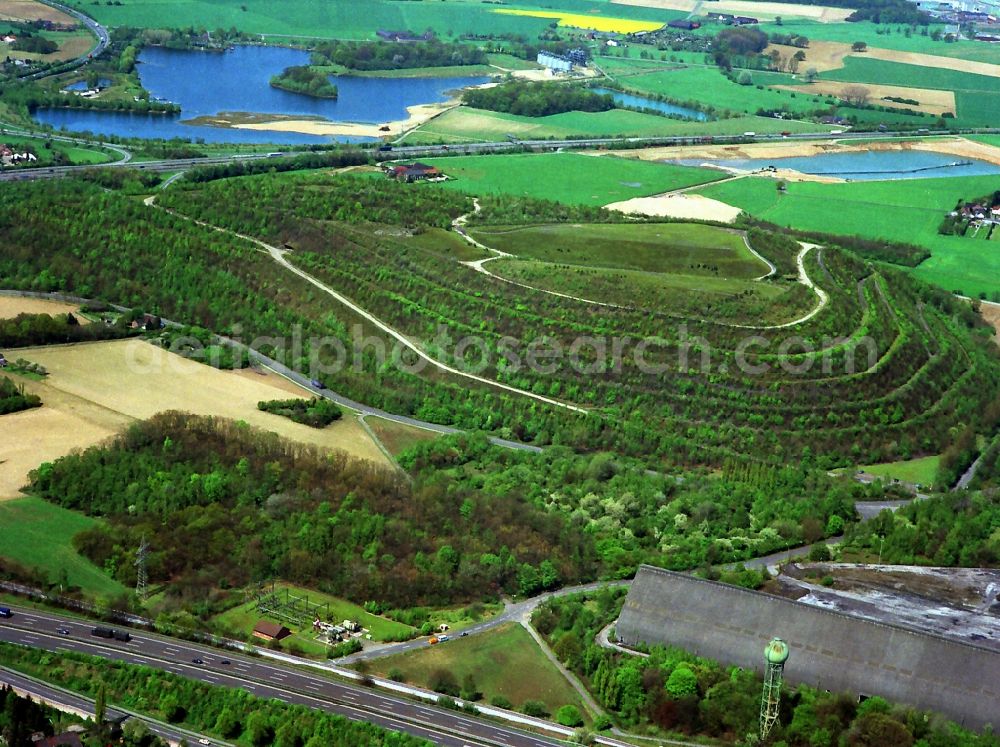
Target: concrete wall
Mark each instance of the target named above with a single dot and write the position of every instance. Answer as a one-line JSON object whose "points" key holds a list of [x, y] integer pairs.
{"points": [[829, 650]]}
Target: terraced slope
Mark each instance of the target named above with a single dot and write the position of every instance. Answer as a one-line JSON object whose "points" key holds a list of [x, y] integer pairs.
{"points": [[886, 368]]}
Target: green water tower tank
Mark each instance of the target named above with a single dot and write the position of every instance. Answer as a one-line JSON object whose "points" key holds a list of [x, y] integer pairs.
{"points": [[776, 651]]}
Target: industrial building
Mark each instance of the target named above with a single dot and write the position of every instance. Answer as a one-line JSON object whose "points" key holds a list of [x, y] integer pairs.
{"points": [[828, 649], [555, 62]]}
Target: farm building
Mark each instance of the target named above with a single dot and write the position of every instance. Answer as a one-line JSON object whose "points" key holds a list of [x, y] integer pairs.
{"points": [[683, 24], [270, 631], [555, 62], [412, 172], [403, 37], [829, 649]]}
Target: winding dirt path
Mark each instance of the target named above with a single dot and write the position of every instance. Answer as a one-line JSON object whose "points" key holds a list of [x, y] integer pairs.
{"points": [[278, 255], [458, 225]]}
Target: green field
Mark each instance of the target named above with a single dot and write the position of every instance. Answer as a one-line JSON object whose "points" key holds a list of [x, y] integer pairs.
{"points": [[341, 18], [975, 95], [558, 176], [906, 210], [504, 662], [39, 535], [656, 248], [465, 125], [46, 150], [917, 471], [244, 617], [680, 268]]}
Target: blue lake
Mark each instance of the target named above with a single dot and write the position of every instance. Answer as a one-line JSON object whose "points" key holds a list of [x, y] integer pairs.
{"points": [[641, 102], [867, 165], [208, 83]]}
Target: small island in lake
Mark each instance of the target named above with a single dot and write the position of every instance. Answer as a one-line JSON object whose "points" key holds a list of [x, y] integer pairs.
{"points": [[306, 80]]}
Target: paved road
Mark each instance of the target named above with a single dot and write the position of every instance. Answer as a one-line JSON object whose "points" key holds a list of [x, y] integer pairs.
{"points": [[103, 39], [513, 613], [413, 151], [65, 700], [267, 679]]}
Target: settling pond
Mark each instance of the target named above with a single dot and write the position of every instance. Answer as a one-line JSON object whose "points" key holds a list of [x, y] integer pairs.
{"points": [[632, 101], [864, 166], [237, 80]]}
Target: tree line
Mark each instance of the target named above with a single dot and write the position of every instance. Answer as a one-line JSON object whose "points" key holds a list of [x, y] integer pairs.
{"points": [[305, 80], [379, 55], [224, 713], [537, 99]]}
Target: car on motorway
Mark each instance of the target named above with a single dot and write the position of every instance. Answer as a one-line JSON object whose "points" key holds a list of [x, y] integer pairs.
{"points": [[203, 741], [444, 638], [317, 384], [5, 612], [62, 630], [432, 640], [197, 660], [225, 662]]}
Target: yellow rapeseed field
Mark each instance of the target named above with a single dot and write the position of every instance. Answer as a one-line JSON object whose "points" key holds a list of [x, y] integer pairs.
{"points": [[581, 21]]}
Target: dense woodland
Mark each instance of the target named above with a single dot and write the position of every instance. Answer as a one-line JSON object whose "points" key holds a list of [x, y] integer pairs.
{"points": [[223, 712], [392, 56], [537, 99], [317, 412], [936, 366], [674, 691], [223, 505], [25, 330], [305, 80], [13, 397], [953, 529]]}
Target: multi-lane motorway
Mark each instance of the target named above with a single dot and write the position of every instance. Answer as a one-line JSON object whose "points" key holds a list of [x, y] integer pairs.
{"points": [[267, 679], [413, 151]]}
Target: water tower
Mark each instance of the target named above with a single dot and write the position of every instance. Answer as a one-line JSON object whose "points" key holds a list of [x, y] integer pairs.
{"points": [[775, 656]]}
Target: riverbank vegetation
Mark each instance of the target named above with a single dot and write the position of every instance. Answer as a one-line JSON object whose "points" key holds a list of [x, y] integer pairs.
{"points": [[385, 55], [537, 99], [305, 80]]}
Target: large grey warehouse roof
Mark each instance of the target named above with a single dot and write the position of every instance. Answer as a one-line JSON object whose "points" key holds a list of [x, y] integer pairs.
{"points": [[829, 649]]}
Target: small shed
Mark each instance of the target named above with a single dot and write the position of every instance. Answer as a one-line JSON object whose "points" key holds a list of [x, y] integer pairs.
{"points": [[270, 631]]}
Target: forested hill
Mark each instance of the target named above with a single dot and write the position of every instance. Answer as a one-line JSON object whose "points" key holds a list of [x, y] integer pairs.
{"points": [[223, 504]]}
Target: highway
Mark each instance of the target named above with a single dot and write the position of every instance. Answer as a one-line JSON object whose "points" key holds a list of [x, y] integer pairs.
{"points": [[266, 679], [101, 33], [68, 701], [415, 151]]}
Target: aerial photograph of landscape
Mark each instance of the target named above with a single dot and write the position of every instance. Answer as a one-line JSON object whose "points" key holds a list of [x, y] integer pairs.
{"points": [[500, 373]]}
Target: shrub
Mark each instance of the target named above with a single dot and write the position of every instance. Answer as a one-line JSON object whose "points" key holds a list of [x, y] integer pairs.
{"points": [[535, 708], [569, 715]]}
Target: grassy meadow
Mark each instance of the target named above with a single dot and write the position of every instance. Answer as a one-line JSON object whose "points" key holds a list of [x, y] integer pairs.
{"points": [[918, 471], [608, 178], [505, 662], [38, 534], [396, 437], [466, 125], [655, 248], [907, 210]]}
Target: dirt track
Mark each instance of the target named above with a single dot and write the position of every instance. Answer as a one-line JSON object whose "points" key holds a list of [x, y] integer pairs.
{"points": [[932, 101]]}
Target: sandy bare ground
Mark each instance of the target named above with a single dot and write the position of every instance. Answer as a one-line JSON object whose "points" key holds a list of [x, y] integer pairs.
{"points": [[991, 313], [829, 55], [32, 10], [821, 13], [931, 101], [957, 146], [678, 206], [418, 114], [93, 390], [11, 306]]}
